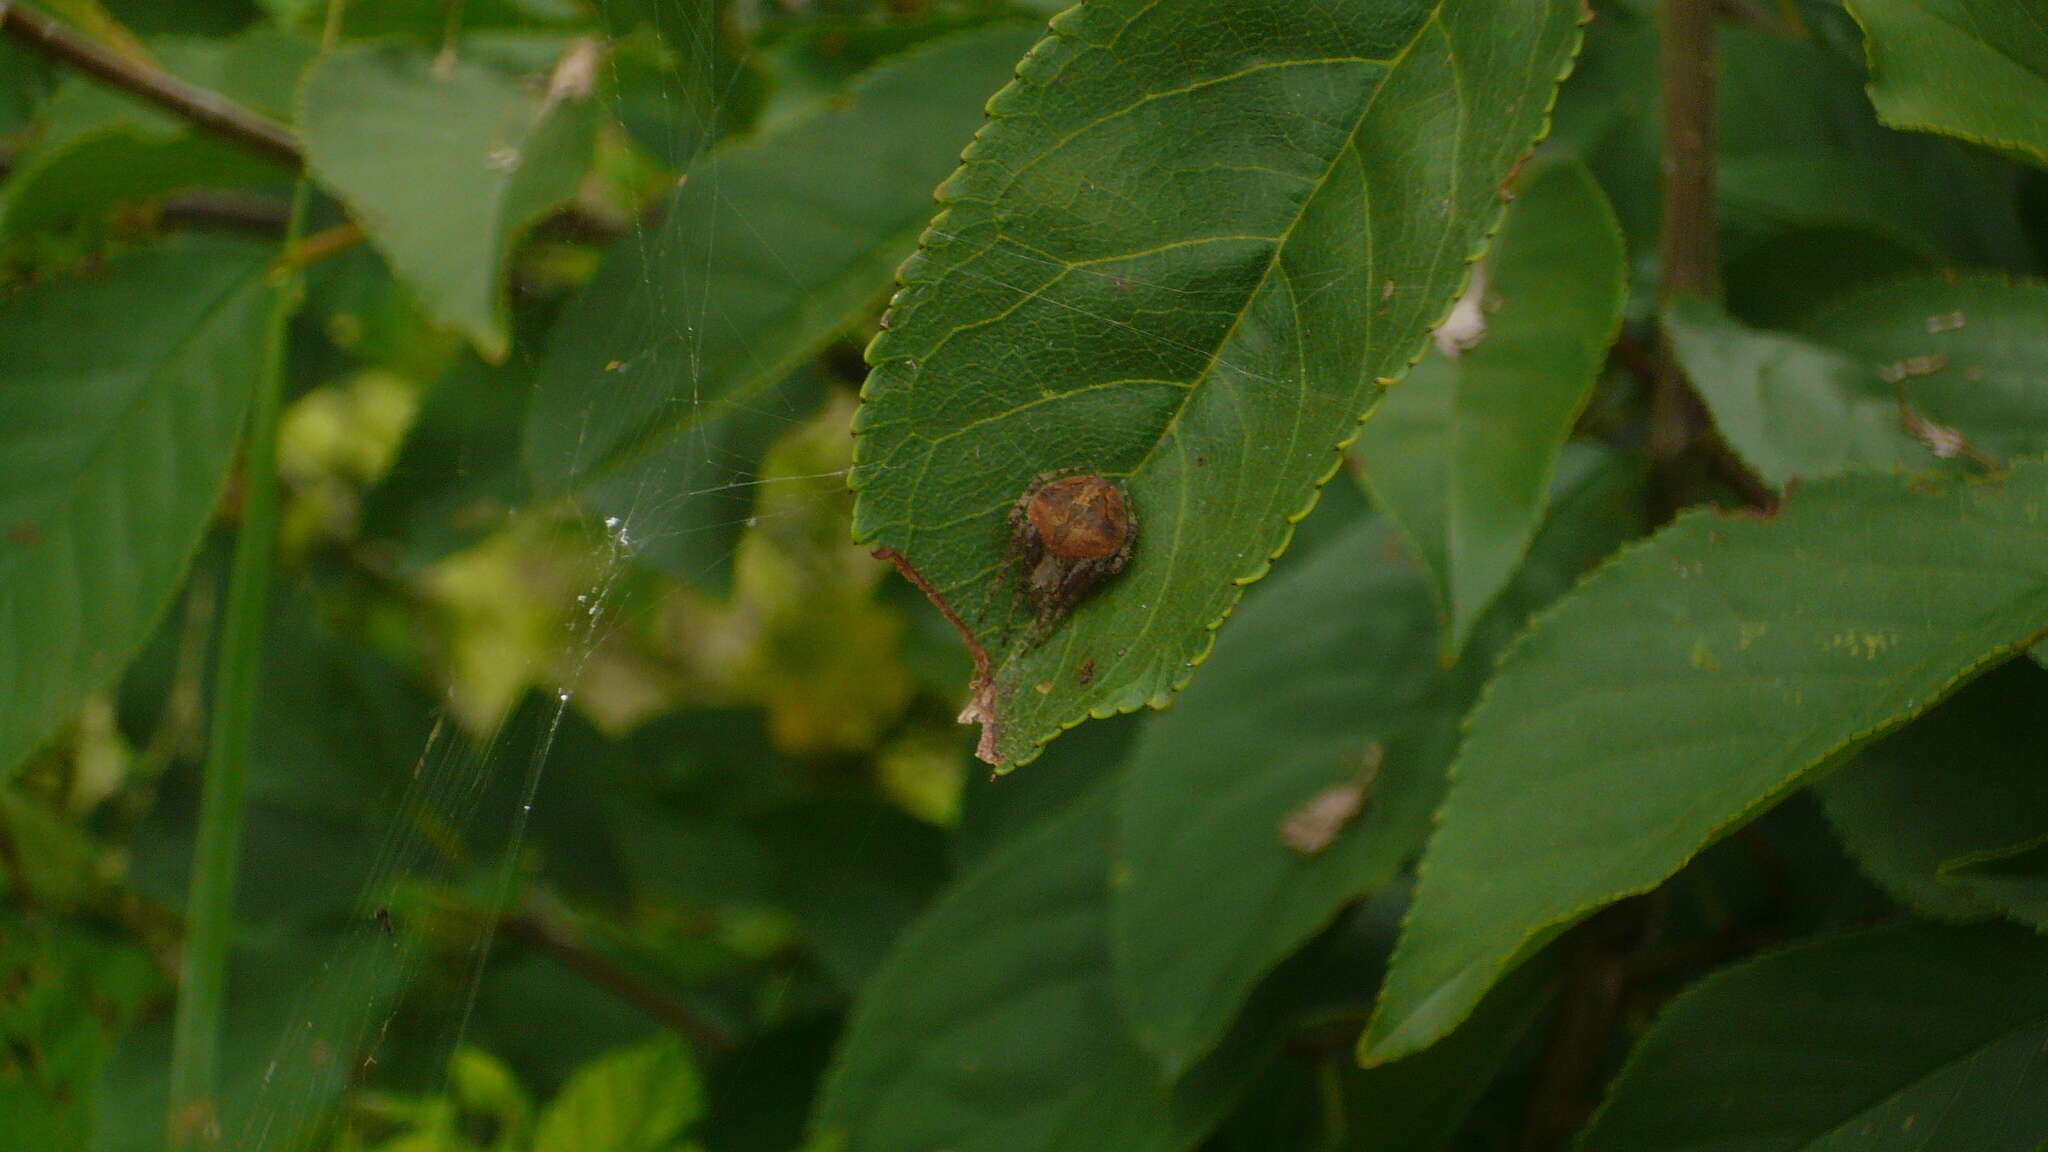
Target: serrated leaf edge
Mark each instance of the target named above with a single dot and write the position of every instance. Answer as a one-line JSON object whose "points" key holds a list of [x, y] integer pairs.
{"points": [[1371, 1053], [983, 691]]}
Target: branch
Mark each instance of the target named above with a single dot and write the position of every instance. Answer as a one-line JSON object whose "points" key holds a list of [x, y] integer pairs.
{"points": [[237, 124], [1688, 264], [226, 209], [1686, 83], [538, 933], [1588, 1009], [209, 110]]}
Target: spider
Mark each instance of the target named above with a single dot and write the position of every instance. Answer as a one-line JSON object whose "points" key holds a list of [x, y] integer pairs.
{"points": [[1070, 530]]}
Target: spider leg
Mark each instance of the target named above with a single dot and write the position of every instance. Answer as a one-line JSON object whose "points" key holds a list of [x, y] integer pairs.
{"points": [[1073, 584]]}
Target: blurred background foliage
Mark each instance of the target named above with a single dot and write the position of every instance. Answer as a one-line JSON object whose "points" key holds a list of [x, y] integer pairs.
{"points": [[470, 918]]}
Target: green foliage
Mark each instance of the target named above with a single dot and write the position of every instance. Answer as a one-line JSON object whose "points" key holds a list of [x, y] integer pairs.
{"points": [[1205, 332], [124, 399], [486, 160], [1006, 982], [636, 1100], [1916, 809], [600, 786], [1876, 377], [1699, 676], [1959, 1068], [1341, 654], [1463, 455], [100, 150], [671, 371], [1977, 69], [2013, 880], [68, 991]]}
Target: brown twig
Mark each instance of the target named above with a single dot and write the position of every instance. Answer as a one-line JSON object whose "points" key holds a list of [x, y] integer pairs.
{"points": [[1589, 1007], [1688, 263], [207, 109], [265, 216], [223, 208], [322, 245], [542, 935], [238, 124], [1686, 84]]}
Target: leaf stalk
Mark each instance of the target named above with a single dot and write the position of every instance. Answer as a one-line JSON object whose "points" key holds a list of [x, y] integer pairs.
{"points": [[209, 904]]}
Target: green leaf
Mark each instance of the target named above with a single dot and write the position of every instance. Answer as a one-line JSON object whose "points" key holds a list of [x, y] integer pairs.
{"points": [[807, 65], [2014, 879], [121, 400], [995, 808], [993, 1024], [1686, 686], [675, 78], [1418, 1104], [1798, 146], [1969, 354], [1549, 303], [1975, 69], [1963, 780], [1339, 654], [101, 148], [638, 1099], [1102, 292], [337, 732], [299, 997], [855, 872], [444, 169], [1791, 408], [669, 371], [1896, 1040], [457, 477], [68, 991], [1970, 351]]}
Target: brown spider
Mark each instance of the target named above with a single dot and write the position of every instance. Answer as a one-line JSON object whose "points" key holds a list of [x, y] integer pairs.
{"points": [[1070, 530]]}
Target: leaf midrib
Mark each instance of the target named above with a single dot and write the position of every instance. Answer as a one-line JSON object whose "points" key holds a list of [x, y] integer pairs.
{"points": [[1393, 64], [1199, 379]]}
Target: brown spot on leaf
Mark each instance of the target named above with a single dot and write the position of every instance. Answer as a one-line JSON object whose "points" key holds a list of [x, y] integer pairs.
{"points": [[1912, 366], [1313, 827]]}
